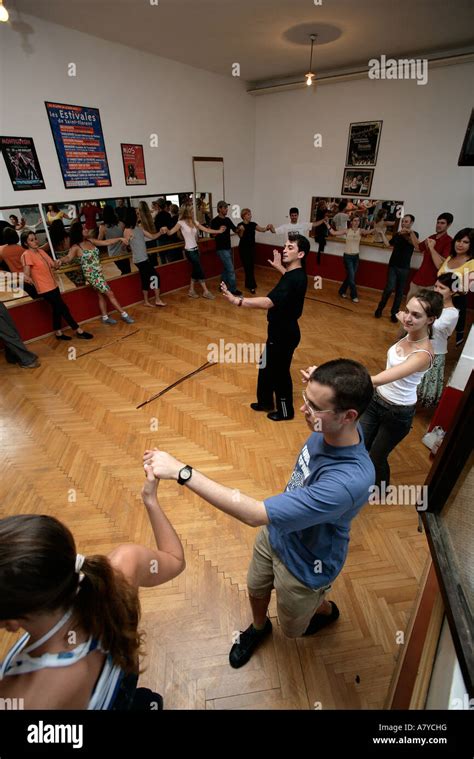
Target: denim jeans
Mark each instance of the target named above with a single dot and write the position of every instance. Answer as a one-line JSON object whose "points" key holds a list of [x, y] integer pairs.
{"points": [[384, 425], [351, 264], [228, 273], [197, 273], [396, 280]]}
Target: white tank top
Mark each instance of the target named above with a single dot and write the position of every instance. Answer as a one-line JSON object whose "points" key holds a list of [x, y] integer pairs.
{"points": [[189, 234], [402, 392]]}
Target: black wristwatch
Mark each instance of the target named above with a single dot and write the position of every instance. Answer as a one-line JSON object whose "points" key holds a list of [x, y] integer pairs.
{"points": [[184, 475]]}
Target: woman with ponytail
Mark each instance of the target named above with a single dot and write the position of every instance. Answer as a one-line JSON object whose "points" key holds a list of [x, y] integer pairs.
{"points": [[82, 644]]}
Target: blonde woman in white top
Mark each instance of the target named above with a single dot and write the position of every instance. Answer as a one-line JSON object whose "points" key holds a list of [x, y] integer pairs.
{"points": [[351, 255], [189, 229], [389, 416]]}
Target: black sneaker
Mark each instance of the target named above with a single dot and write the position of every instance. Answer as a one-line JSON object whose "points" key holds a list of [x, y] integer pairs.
{"points": [[378, 313], [318, 621], [84, 335], [63, 337], [237, 292], [260, 407], [250, 638], [275, 416]]}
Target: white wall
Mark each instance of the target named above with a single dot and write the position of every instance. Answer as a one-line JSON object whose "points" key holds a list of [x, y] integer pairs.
{"points": [[194, 112], [422, 133]]}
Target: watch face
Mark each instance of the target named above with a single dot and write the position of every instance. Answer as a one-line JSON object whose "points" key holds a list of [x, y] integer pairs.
{"points": [[185, 473]]}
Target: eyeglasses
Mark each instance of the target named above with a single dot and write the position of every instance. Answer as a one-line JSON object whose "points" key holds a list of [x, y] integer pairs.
{"points": [[313, 411]]}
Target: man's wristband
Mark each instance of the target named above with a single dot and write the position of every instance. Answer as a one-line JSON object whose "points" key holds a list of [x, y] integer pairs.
{"points": [[241, 300]]}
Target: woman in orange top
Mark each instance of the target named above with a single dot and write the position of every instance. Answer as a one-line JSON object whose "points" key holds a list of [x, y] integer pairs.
{"points": [[11, 253], [39, 267]]}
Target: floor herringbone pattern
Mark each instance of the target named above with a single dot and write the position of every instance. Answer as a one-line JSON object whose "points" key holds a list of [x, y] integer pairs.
{"points": [[71, 440]]}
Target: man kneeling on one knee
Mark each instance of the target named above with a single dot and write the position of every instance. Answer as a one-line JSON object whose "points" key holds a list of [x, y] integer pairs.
{"points": [[304, 532]]}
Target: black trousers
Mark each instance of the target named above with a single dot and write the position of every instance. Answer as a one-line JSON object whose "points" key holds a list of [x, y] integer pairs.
{"points": [[247, 256], [274, 375], [60, 309], [460, 301], [15, 350], [124, 265]]}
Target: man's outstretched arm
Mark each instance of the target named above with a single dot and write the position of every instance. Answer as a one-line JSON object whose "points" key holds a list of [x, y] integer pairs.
{"points": [[232, 502]]}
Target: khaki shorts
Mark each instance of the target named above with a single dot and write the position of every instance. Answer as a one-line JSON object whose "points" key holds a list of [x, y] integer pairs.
{"points": [[296, 603]]}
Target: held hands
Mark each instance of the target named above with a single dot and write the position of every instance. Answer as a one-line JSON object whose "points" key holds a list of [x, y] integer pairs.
{"points": [[430, 243], [150, 486], [222, 228], [161, 464], [307, 373]]}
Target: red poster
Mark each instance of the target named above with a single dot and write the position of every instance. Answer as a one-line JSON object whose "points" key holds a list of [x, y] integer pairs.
{"points": [[133, 164]]}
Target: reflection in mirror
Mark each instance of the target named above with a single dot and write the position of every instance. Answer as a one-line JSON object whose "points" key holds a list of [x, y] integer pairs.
{"points": [[156, 212], [209, 181], [15, 221], [381, 216], [60, 217]]}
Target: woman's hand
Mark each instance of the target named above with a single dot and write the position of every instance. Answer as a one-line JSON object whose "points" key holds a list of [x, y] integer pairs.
{"points": [[307, 373], [222, 228], [150, 485], [401, 317]]}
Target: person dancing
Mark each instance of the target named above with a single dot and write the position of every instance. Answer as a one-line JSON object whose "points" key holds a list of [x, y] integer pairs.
{"points": [[87, 251], [39, 268], [50, 591], [189, 229], [246, 230], [284, 306], [136, 237], [389, 417]]}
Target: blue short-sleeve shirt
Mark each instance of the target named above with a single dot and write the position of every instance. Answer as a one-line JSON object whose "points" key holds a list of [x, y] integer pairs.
{"points": [[310, 522]]}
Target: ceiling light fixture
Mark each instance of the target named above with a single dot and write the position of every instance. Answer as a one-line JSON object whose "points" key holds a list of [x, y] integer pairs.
{"points": [[4, 15], [310, 77]]}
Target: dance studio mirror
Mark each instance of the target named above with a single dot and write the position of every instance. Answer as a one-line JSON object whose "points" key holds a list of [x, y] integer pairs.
{"points": [[382, 216], [20, 219], [209, 184]]}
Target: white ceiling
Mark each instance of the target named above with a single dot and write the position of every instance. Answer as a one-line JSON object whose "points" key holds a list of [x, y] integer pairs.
{"points": [[268, 38]]}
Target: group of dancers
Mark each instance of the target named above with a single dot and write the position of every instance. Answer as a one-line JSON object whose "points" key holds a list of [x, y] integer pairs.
{"points": [[355, 421]]}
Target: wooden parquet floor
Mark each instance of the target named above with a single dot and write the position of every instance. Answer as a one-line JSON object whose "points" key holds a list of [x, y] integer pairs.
{"points": [[71, 440]]}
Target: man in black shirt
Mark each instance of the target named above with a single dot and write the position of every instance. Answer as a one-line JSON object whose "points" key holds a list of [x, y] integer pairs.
{"points": [[223, 246], [285, 306], [404, 243]]}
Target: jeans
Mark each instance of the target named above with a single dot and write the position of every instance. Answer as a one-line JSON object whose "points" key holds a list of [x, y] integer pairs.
{"points": [[351, 264], [384, 425], [396, 280], [197, 274], [228, 273]]}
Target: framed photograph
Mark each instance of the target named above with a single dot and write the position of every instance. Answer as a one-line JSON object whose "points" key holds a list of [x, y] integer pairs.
{"points": [[466, 156], [363, 144], [133, 164], [79, 141], [357, 183], [22, 163]]}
